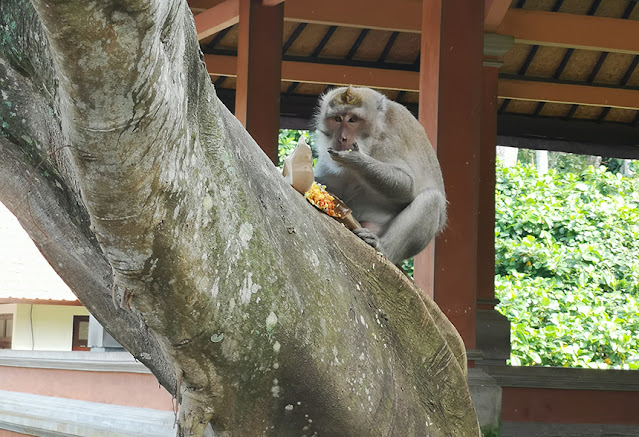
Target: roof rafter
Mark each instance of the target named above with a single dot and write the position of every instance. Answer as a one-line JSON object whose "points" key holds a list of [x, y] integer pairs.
{"points": [[568, 93], [311, 72], [217, 18], [399, 15], [572, 31], [527, 26], [494, 13]]}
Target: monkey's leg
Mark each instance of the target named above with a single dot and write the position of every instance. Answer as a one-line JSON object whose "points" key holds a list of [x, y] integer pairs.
{"points": [[411, 231]]}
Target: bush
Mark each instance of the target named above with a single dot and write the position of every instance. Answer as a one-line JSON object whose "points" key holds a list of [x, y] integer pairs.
{"points": [[287, 141], [567, 266]]}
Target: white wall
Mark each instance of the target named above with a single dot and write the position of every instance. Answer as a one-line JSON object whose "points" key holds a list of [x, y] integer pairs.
{"points": [[8, 308], [52, 327]]}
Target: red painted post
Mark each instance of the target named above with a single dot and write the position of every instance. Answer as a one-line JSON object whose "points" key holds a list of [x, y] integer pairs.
{"points": [[259, 71], [450, 97], [424, 272], [486, 234]]}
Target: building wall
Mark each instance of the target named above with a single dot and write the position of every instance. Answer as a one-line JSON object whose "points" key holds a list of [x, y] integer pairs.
{"points": [[81, 393], [5, 433], [140, 390], [52, 326], [8, 308]]}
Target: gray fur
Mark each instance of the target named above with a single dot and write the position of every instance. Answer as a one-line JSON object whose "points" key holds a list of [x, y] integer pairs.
{"points": [[384, 169]]}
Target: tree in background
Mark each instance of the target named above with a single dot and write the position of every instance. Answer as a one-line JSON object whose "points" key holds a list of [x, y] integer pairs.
{"points": [[567, 271]]}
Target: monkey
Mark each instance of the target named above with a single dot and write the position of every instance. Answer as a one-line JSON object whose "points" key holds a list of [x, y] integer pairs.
{"points": [[376, 157]]}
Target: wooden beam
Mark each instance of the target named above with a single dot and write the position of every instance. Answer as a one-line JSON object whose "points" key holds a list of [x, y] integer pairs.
{"points": [[494, 13], [589, 137], [396, 15], [217, 18], [568, 93], [486, 210], [603, 138], [399, 16], [528, 26], [580, 148], [221, 65], [429, 78], [307, 72], [203, 4], [340, 75], [573, 31]]}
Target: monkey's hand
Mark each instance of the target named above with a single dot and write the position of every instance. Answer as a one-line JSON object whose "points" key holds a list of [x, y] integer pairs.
{"points": [[347, 156], [369, 237]]}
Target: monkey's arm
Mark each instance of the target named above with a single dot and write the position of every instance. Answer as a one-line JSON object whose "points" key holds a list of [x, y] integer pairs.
{"points": [[392, 180]]}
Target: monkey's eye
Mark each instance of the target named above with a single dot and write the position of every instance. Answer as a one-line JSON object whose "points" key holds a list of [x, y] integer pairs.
{"points": [[353, 119], [338, 118]]}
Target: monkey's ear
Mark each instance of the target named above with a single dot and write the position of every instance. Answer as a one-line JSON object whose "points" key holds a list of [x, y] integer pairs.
{"points": [[382, 103]]}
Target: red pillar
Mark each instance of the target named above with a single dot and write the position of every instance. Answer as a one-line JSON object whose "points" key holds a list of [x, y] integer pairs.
{"points": [[493, 329], [486, 218], [259, 72], [424, 263], [450, 98]]}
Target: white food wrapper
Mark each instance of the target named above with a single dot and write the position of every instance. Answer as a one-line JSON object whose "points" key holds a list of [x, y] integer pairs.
{"points": [[298, 171], [298, 167]]}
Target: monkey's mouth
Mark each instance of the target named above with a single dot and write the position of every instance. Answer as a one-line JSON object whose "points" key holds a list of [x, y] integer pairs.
{"points": [[346, 147]]}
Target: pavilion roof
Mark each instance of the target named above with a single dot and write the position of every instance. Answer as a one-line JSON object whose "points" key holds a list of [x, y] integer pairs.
{"points": [[572, 67]]}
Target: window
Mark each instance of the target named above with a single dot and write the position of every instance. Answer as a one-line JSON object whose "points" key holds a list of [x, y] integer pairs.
{"points": [[6, 330], [80, 333]]}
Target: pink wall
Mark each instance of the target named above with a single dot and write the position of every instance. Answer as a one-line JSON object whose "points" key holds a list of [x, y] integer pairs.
{"points": [[4, 433], [128, 389]]}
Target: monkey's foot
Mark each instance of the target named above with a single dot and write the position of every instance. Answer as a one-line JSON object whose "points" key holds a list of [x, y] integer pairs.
{"points": [[368, 236]]}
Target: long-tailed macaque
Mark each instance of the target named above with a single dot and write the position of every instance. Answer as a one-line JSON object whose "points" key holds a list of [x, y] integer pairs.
{"points": [[375, 156]]}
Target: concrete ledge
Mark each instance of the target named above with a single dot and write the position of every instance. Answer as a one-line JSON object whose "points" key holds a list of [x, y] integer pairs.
{"points": [[514, 429], [46, 416], [486, 395], [86, 361], [564, 378]]}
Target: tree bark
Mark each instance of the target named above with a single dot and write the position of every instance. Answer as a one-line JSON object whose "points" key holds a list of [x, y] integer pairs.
{"points": [[507, 155], [541, 161], [263, 316]]}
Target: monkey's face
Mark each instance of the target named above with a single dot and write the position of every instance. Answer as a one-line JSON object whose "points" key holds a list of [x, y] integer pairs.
{"points": [[345, 129]]}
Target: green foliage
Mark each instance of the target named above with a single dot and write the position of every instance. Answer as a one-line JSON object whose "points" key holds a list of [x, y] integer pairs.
{"points": [[407, 266], [287, 140], [567, 270]]}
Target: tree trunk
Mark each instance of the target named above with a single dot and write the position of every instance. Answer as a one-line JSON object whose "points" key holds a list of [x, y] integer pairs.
{"points": [[541, 161], [263, 316], [507, 155]]}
